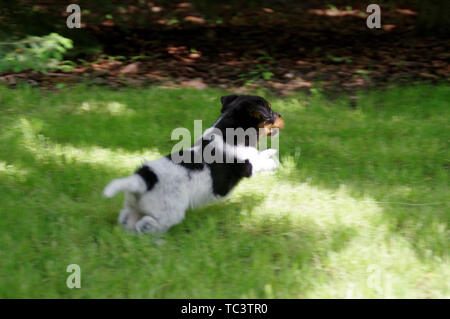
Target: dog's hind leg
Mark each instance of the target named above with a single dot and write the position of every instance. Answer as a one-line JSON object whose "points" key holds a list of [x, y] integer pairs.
{"points": [[150, 225], [128, 218], [129, 215]]}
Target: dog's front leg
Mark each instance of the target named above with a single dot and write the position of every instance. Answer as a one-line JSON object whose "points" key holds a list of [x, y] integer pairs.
{"points": [[264, 161]]}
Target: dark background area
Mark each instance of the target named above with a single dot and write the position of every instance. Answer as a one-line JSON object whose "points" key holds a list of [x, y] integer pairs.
{"points": [[282, 45]]}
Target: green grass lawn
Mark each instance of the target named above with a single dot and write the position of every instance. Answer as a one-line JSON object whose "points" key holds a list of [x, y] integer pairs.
{"points": [[358, 209]]}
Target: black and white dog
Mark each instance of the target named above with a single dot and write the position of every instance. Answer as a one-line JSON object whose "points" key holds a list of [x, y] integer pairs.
{"points": [[158, 194]]}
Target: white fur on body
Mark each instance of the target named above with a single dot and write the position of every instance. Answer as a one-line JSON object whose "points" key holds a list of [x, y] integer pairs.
{"points": [[178, 188]]}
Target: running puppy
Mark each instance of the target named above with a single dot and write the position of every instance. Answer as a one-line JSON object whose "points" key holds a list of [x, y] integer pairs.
{"points": [[158, 194]]}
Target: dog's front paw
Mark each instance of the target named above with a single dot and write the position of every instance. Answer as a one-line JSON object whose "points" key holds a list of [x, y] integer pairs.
{"points": [[268, 153], [265, 161], [270, 164], [268, 160]]}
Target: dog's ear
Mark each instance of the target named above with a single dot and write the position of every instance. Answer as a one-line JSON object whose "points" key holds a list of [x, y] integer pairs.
{"points": [[258, 112], [255, 114], [226, 101]]}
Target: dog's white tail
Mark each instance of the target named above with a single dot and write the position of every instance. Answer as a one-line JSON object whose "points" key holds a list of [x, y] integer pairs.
{"points": [[133, 184]]}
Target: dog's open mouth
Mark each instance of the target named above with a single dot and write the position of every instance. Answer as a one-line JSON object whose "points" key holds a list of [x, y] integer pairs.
{"points": [[271, 129]]}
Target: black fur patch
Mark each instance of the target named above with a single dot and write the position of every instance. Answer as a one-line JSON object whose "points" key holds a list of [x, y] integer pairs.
{"points": [[148, 176], [189, 163], [226, 175], [226, 101]]}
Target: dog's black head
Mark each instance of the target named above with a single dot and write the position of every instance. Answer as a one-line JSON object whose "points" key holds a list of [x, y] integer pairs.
{"points": [[249, 111]]}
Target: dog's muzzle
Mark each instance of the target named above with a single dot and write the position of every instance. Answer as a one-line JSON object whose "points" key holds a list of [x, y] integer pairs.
{"points": [[272, 129]]}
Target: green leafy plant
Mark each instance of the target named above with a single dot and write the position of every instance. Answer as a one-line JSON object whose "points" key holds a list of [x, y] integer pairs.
{"points": [[173, 21], [362, 72], [36, 53], [337, 59], [117, 58], [332, 7], [140, 57], [260, 71]]}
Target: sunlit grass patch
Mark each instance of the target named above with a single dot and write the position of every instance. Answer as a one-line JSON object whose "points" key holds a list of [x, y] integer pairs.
{"points": [[109, 108], [11, 170], [42, 147]]}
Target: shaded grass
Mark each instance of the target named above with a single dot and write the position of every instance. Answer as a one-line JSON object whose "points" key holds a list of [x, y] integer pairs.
{"points": [[359, 207]]}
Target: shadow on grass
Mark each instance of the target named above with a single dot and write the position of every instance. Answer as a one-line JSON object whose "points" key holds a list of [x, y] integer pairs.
{"points": [[393, 151]]}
